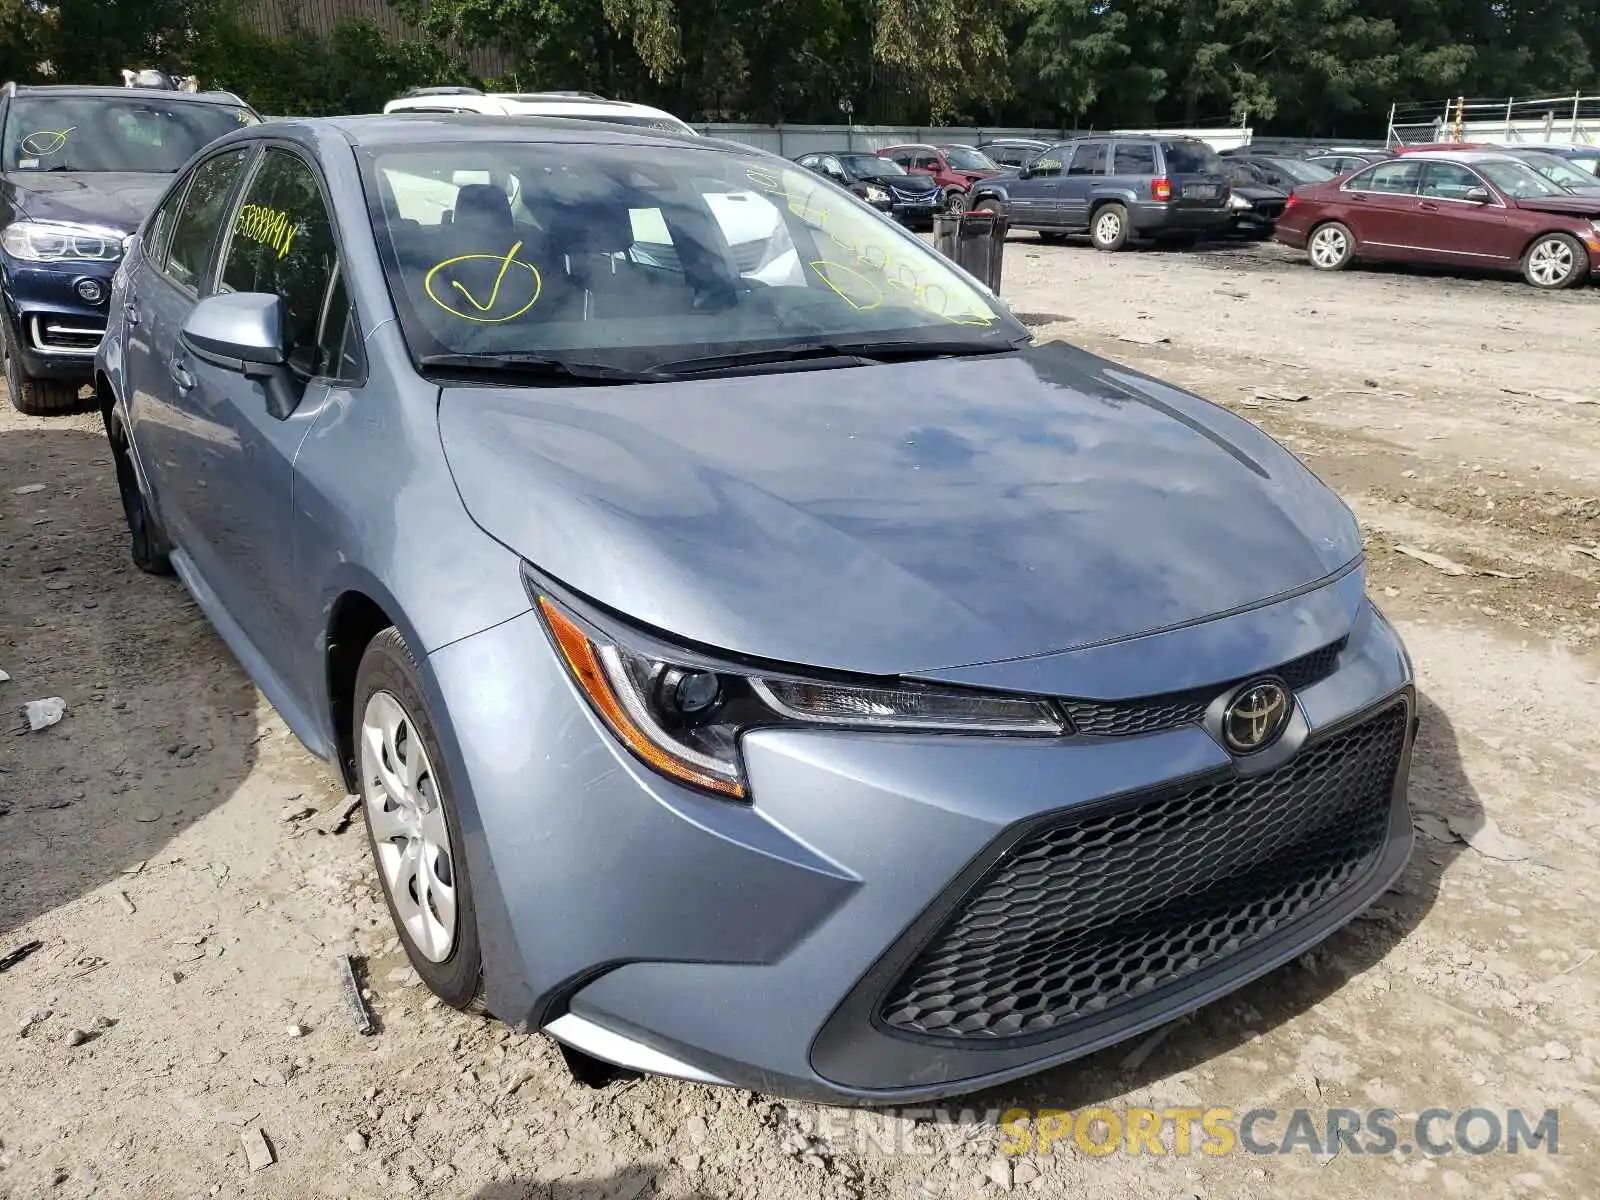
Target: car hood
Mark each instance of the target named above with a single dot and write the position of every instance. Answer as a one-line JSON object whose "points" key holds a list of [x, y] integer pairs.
{"points": [[898, 518], [118, 199], [1579, 205]]}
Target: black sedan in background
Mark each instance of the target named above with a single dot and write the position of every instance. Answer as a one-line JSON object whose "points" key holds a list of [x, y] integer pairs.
{"points": [[1281, 171], [1256, 205], [881, 182]]}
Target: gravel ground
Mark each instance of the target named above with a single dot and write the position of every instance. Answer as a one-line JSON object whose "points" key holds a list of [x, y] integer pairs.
{"points": [[180, 856]]}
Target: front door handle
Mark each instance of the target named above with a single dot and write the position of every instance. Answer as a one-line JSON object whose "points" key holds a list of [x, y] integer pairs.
{"points": [[1429, 206], [181, 375], [1358, 197], [130, 311]]}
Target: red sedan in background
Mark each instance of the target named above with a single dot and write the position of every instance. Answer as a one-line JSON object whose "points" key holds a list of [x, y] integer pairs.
{"points": [[1459, 208]]}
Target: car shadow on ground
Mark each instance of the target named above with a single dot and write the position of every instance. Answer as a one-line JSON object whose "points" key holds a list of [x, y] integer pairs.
{"points": [[627, 1184], [1438, 785], [160, 723]]}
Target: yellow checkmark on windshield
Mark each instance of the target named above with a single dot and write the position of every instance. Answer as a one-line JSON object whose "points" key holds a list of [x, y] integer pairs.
{"points": [[494, 292]]}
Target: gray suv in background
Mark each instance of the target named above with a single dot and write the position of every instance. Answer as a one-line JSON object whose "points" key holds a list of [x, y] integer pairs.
{"points": [[1115, 188]]}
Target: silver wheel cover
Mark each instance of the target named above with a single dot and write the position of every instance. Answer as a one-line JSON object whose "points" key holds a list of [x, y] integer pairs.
{"points": [[415, 858]]}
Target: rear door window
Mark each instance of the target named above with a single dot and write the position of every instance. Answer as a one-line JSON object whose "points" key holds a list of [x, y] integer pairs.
{"points": [[1394, 178]]}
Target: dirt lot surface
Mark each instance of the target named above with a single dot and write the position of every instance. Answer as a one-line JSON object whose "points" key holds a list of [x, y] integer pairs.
{"points": [[171, 845]]}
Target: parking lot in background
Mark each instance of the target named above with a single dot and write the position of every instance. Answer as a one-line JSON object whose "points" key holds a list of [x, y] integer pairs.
{"points": [[1459, 417]]}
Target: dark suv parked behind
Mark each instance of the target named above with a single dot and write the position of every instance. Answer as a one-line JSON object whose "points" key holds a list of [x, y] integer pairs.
{"points": [[79, 169], [1114, 188]]}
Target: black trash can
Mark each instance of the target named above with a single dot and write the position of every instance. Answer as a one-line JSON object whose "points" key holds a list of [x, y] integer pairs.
{"points": [[975, 241]]}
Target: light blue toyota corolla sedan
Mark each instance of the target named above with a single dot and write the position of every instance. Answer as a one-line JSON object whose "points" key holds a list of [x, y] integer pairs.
{"points": [[758, 663]]}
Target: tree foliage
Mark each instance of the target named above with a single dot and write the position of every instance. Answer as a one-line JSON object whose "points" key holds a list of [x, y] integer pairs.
{"points": [[1302, 66]]}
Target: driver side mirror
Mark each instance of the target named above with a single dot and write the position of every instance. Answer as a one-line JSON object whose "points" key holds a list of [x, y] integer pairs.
{"points": [[1478, 195], [243, 332], [1025, 171]]}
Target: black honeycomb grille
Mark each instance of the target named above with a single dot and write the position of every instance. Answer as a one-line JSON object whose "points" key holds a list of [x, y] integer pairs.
{"points": [[1088, 916], [1173, 710]]}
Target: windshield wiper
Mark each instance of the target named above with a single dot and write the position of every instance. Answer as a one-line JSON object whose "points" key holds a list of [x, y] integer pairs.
{"points": [[849, 354], [535, 365]]}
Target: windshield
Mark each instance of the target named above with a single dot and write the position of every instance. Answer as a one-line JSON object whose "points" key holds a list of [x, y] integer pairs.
{"points": [[1559, 170], [95, 133], [965, 158], [1586, 162], [1301, 172], [594, 253], [1519, 180], [870, 165], [1192, 158]]}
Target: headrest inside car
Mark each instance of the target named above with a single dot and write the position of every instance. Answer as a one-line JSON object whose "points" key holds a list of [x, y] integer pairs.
{"points": [[482, 208]]}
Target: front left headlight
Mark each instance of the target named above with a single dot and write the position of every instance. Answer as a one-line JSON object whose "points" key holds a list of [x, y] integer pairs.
{"points": [[1237, 201], [61, 241], [876, 194], [683, 715]]}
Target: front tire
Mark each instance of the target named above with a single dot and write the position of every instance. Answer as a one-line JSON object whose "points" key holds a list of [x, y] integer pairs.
{"points": [[1331, 247], [413, 829], [1109, 228], [1555, 261], [955, 202], [36, 397]]}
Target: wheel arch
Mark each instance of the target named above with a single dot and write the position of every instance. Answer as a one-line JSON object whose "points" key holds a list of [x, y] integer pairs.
{"points": [[1546, 232], [355, 617]]}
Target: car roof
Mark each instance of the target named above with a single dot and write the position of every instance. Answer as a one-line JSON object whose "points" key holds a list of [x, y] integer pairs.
{"points": [[407, 128], [1016, 141], [107, 91], [1464, 156]]}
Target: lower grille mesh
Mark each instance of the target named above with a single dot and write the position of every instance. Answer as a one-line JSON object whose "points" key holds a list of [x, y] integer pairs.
{"points": [[1085, 917]]}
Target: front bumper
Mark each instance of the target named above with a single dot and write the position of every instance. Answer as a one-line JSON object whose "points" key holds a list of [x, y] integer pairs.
{"points": [[1253, 222], [757, 945], [53, 330], [915, 212]]}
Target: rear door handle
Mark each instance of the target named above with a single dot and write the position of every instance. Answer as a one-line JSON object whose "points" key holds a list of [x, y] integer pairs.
{"points": [[130, 311], [1429, 206], [181, 376]]}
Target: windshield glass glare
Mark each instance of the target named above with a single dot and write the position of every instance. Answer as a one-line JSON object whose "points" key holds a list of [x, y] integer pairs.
{"points": [[94, 133], [1519, 180], [964, 158], [1302, 172], [589, 252]]}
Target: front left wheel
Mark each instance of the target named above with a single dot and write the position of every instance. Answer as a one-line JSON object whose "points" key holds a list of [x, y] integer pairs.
{"points": [[412, 825], [34, 396], [955, 202]]}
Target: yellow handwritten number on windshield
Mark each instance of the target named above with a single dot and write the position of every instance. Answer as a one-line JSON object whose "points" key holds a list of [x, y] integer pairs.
{"points": [[461, 301], [46, 142]]}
